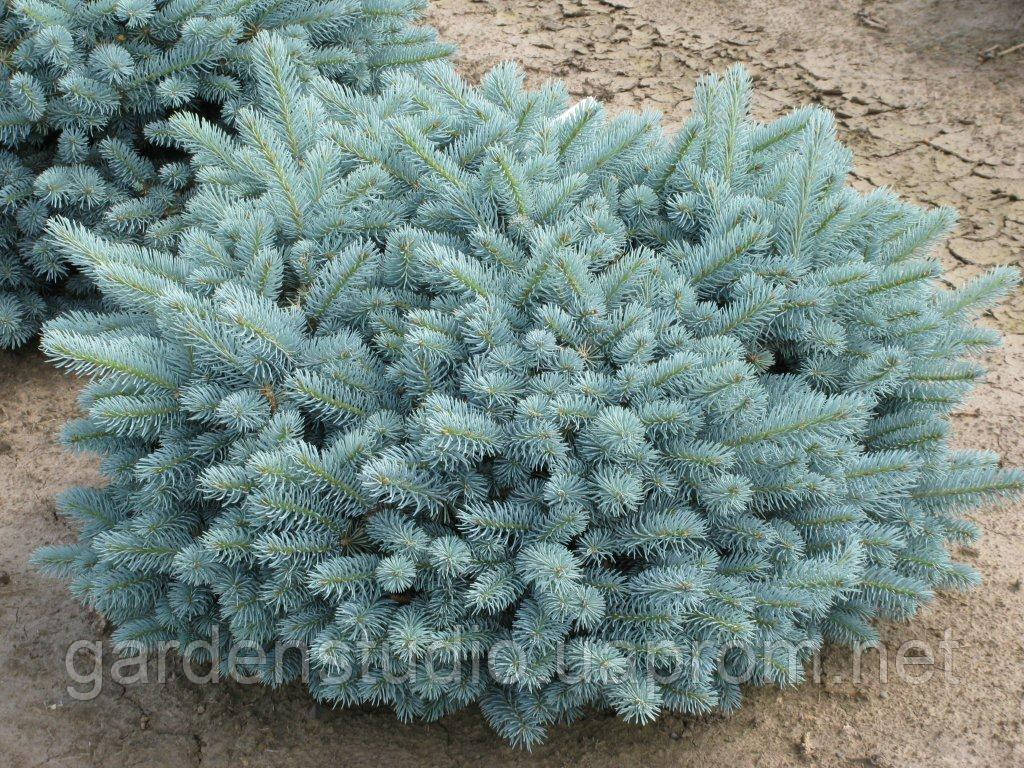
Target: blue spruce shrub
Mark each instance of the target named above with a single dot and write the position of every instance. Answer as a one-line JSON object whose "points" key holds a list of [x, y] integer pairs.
{"points": [[81, 82], [466, 398]]}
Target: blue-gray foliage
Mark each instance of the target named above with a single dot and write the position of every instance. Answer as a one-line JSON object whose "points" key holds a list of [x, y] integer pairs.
{"points": [[449, 373], [85, 85]]}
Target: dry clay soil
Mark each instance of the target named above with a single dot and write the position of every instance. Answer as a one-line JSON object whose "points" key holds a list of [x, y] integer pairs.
{"points": [[924, 116]]}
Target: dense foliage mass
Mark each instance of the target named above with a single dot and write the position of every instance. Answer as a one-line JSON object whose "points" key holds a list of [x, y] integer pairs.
{"points": [[474, 400], [82, 81]]}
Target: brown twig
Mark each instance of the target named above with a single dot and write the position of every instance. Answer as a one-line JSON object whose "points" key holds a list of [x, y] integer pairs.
{"points": [[994, 52], [868, 20]]}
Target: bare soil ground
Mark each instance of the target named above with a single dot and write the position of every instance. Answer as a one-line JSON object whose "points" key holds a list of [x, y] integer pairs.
{"points": [[924, 116]]}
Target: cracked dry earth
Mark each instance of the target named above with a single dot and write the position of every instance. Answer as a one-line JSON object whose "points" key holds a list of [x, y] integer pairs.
{"points": [[922, 115]]}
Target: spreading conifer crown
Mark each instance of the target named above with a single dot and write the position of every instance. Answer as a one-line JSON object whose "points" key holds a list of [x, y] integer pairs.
{"points": [[450, 373]]}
